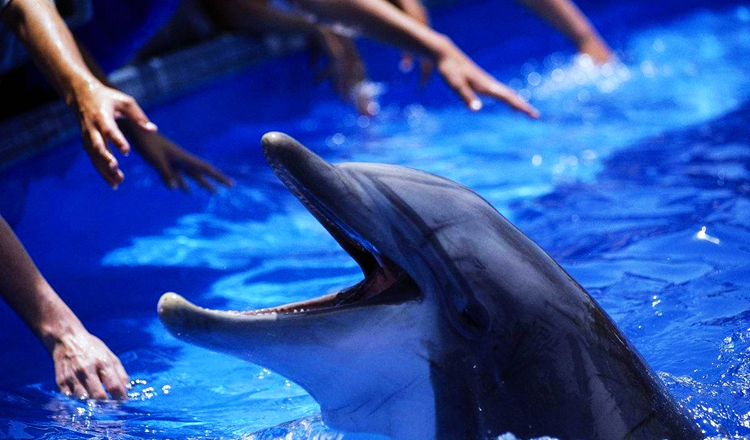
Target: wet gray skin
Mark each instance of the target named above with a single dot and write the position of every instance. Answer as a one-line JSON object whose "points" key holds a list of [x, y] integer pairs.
{"points": [[463, 328]]}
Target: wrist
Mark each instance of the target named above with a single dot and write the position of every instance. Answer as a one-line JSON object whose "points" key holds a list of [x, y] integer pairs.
{"points": [[56, 336], [439, 46], [62, 326], [80, 89]]}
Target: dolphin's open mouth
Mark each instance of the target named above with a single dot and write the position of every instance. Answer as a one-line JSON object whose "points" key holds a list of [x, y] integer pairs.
{"points": [[384, 281]]}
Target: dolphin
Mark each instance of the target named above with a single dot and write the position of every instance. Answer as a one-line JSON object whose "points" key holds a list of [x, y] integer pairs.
{"points": [[462, 328]]}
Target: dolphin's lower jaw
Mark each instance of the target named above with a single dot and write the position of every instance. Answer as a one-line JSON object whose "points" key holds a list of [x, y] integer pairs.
{"points": [[381, 277], [384, 283]]}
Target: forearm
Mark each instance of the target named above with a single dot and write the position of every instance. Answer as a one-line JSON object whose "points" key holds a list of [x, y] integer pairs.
{"points": [[382, 21], [128, 126], [26, 291], [257, 16], [50, 44], [565, 16]]}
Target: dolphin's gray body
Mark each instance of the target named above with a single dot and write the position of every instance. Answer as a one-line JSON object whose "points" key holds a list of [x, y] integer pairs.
{"points": [[463, 328]]}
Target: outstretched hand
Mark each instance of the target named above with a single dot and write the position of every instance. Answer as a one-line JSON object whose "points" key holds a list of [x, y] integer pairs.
{"points": [[469, 80], [84, 367], [416, 10], [97, 107], [345, 67], [172, 163]]}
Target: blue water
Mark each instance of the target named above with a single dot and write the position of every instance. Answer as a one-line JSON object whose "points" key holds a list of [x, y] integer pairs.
{"points": [[636, 180]]}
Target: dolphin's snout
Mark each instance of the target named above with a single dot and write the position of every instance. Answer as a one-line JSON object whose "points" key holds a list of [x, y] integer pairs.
{"points": [[172, 310], [167, 302], [301, 169], [285, 151], [272, 141], [281, 148]]}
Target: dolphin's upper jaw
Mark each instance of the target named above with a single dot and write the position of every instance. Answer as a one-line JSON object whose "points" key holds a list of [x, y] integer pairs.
{"points": [[292, 163], [380, 273]]}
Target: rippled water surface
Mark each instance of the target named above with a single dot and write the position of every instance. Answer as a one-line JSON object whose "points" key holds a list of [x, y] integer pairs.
{"points": [[636, 180]]}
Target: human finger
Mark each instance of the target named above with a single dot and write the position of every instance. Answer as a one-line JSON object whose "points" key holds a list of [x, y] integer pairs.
{"points": [[114, 383], [518, 103], [90, 381], [211, 171], [464, 90], [130, 109], [181, 183], [77, 388], [595, 47], [511, 98], [364, 107], [198, 177], [407, 62], [120, 371], [415, 10], [66, 389], [167, 174], [102, 159], [65, 382], [426, 67], [171, 176], [110, 132]]}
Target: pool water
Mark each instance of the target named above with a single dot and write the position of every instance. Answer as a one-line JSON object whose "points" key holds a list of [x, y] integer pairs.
{"points": [[636, 180]]}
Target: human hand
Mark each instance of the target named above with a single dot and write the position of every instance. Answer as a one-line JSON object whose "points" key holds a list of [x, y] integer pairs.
{"points": [[345, 68], [84, 366], [171, 162], [97, 106], [417, 11], [467, 79]]}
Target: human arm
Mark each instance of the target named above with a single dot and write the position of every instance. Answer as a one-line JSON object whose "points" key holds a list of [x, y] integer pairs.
{"points": [[345, 67], [416, 10], [82, 362], [385, 22], [169, 160], [50, 44], [568, 19], [172, 162]]}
